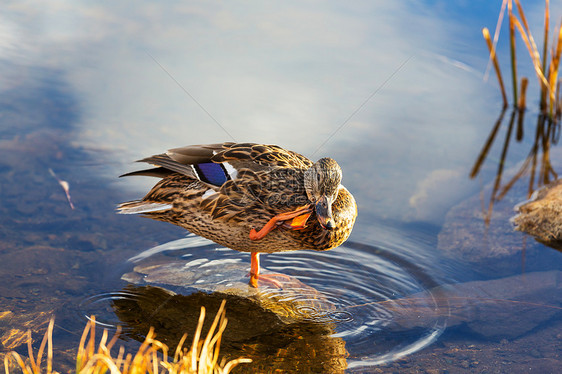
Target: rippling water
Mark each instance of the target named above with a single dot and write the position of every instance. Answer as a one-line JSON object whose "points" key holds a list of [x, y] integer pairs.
{"points": [[356, 289]]}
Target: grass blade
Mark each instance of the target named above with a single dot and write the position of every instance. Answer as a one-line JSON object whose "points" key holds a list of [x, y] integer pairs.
{"points": [[202, 358]]}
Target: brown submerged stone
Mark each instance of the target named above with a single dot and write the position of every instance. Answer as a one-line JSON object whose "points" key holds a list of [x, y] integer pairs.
{"points": [[541, 216], [286, 330]]}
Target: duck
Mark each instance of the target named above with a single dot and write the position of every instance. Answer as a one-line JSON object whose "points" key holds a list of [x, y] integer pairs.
{"points": [[249, 197]]}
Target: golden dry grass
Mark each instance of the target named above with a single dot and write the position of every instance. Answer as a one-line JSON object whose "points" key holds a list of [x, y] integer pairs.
{"points": [[151, 357]]}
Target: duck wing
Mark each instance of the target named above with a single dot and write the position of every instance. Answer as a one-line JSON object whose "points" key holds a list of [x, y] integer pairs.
{"points": [[249, 155], [236, 178], [236, 156]]}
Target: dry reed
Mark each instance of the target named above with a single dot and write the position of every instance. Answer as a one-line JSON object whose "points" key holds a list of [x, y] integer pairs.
{"points": [[546, 69]]}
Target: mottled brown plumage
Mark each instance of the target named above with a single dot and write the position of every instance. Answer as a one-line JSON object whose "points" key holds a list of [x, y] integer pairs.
{"points": [[253, 184]]}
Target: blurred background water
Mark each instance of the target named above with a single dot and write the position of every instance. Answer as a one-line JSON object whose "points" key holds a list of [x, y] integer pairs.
{"points": [[394, 91]]}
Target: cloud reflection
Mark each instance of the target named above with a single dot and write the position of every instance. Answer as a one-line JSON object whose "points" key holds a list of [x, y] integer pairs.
{"points": [[287, 73]]}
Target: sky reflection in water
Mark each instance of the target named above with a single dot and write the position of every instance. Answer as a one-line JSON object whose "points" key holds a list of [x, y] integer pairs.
{"points": [[288, 74]]}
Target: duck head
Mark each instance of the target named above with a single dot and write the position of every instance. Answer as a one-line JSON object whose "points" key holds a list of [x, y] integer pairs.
{"points": [[321, 182]]}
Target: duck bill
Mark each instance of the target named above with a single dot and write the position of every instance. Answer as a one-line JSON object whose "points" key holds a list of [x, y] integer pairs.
{"points": [[324, 213]]}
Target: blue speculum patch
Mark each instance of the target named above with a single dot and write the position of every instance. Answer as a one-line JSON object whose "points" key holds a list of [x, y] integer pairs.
{"points": [[212, 173]]}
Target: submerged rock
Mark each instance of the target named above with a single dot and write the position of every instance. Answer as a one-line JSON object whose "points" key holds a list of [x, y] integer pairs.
{"points": [[14, 327], [294, 302], [492, 247], [541, 216], [285, 329], [523, 302], [480, 231]]}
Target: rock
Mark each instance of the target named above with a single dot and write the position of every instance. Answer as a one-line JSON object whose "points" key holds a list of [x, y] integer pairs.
{"points": [[485, 307], [467, 237], [541, 216], [480, 231], [282, 330], [293, 303], [14, 327]]}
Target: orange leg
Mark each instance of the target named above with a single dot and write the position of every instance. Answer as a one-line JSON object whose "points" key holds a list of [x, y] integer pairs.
{"points": [[255, 269], [281, 218], [255, 261], [267, 278]]}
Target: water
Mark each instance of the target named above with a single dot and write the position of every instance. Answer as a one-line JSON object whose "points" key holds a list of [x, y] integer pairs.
{"points": [[392, 91]]}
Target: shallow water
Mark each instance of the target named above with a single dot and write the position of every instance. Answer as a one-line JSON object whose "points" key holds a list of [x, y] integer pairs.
{"points": [[392, 91]]}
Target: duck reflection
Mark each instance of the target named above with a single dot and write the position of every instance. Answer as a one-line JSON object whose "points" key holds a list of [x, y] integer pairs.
{"points": [[537, 166], [253, 331]]}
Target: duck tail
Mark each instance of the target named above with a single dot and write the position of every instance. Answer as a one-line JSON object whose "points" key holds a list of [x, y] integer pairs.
{"points": [[142, 207]]}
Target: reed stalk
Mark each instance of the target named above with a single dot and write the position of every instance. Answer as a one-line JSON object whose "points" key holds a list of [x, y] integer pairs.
{"points": [[533, 53], [522, 104], [545, 51], [493, 57], [553, 71], [512, 51], [546, 69]]}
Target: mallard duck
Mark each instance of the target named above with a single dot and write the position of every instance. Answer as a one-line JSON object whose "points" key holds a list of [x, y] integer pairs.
{"points": [[249, 197]]}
